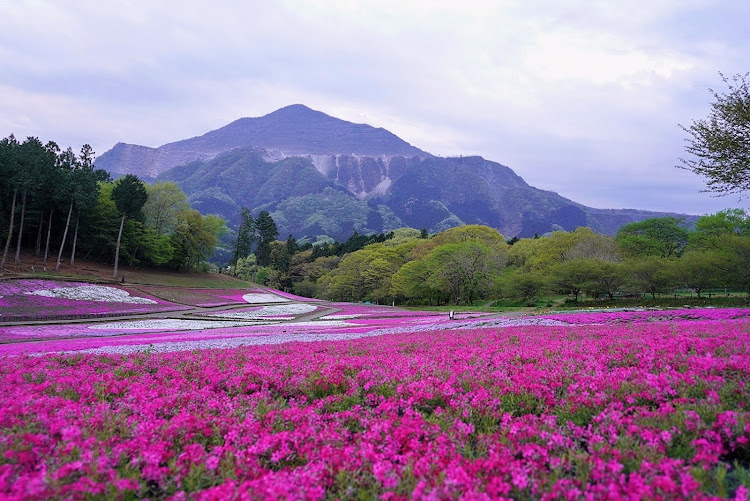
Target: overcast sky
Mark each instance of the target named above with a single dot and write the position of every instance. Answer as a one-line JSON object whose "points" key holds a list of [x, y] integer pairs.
{"points": [[581, 97]]}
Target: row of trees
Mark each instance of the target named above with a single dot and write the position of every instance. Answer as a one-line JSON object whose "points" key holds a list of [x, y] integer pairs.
{"points": [[39, 182], [655, 256], [470, 263], [45, 192]]}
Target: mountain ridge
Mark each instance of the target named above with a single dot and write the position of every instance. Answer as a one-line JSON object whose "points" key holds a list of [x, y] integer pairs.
{"points": [[319, 175], [290, 131]]}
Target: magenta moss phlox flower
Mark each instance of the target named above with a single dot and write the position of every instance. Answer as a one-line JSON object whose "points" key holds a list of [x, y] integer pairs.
{"points": [[650, 410]]}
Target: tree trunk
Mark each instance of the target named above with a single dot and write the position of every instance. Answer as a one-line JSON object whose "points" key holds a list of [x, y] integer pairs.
{"points": [[49, 232], [75, 240], [38, 248], [10, 230], [117, 249], [65, 235], [20, 226]]}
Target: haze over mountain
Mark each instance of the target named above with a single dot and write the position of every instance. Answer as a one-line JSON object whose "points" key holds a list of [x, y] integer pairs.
{"points": [[319, 175]]}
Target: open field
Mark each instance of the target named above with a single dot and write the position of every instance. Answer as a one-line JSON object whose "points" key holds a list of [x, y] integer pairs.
{"points": [[316, 400]]}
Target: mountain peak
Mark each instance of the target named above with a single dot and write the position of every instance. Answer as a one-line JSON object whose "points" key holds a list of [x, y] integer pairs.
{"points": [[294, 109], [294, 130]]}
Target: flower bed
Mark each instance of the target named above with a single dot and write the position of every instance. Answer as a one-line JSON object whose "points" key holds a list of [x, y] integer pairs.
{"points": [[374, 311], [263, 297], [638, 316], [278, 311], [641, 411], [40, 299]]}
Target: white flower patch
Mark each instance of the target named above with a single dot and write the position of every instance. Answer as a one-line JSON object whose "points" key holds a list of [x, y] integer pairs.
{"points": [[92, 293], [323, 323], [287, 309], [263, 298], [168, 324], [341, 317], [245, 315], [278, 312], [227, 343]]}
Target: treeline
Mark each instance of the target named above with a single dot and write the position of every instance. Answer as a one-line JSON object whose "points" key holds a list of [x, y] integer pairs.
{"points": [[257, 255], [55, 204], [469, 263]]}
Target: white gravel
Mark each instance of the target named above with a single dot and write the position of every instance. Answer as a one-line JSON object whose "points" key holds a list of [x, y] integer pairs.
{"points": [[92, 293], [263, 298]]}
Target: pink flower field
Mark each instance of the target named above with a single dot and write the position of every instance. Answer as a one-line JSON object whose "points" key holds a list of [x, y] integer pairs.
{"points": [[421, 408], [24, 299], [615, 317]]}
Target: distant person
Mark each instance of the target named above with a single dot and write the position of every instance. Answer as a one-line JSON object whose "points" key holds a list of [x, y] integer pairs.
{"points": [[450, 315]]}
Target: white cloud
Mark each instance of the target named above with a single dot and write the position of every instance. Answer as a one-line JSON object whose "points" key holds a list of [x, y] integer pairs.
{"points": [[556, 90]]}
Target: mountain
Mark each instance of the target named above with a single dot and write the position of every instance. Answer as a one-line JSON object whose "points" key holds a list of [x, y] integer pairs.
{"points": [[319, 175], [291, 131]]}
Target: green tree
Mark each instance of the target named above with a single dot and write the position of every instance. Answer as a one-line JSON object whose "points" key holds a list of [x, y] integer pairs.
{"points": [[610, 277], [662, 237], [543, 253], [243, 242], [267, 233], [8, 173], [649, 274], [574, 276], [246, 268], [587, 244], [699, 270], [129, 195], [164, 204], [69, 164], [195, 238], [711, 230], [719, 144], [306, 288], [87, 187], [464, 271], [735, 262], [34, 158], [520, 284]]}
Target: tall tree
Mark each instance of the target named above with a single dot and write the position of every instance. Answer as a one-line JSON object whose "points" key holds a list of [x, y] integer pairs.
{"points": [[267, 233], [129, 195], [243, 243], [165, 202], [195, 238], [9, 170], [33, 157], [719, 144], [87, 190], [81, 184]]}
